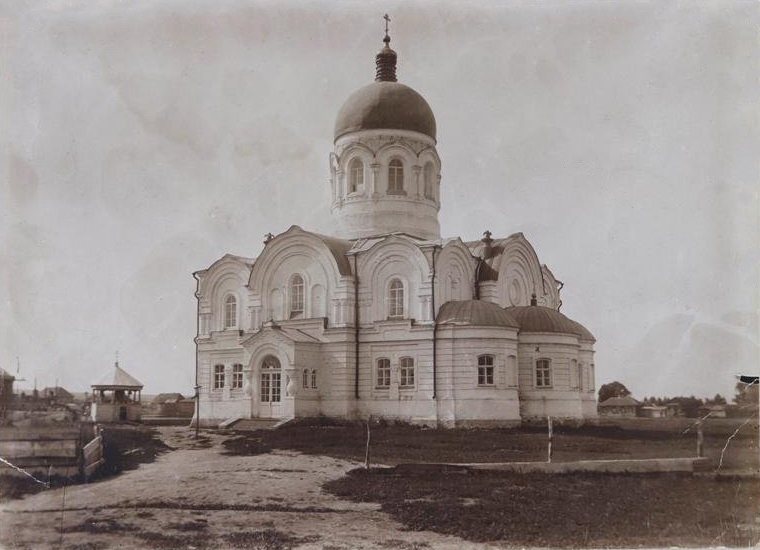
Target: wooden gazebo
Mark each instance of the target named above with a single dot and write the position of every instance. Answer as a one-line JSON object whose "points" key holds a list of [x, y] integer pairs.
{"points": [[116, 397]]}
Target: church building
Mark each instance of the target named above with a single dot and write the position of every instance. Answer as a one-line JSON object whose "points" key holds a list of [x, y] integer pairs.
{"points": [[385, 317]]}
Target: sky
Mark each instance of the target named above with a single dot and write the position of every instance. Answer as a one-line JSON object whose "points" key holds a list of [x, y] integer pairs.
{"points": [[144, 139]]}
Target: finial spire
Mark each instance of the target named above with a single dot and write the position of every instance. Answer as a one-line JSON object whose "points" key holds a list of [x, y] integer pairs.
{"points": [[385, 60], [116, 363]]}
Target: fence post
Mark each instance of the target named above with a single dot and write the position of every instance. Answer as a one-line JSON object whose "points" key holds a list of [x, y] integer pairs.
{"points": [[551, 433], [700, 440], [366, 453]]}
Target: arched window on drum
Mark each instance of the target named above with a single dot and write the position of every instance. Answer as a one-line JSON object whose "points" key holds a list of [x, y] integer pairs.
{"points": [[429, 175], [355, 176], [395, 177]]}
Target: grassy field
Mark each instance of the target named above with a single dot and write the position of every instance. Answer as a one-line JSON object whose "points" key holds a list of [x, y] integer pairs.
{"points": [[578, 510], [393, 444]]}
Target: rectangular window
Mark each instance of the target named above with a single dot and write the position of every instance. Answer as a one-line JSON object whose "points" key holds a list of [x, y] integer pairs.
{"points": [[275, 387], [406, 370], [265, 388], [269, 390], [237, 376], [218, 377], [383, 379], [543, 374], [485, 370]]}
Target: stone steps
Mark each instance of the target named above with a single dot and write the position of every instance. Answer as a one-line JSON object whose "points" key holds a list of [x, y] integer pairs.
{"points": [[250, 424]]}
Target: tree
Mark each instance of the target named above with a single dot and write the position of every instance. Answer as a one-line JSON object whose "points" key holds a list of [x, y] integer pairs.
{"points": [[746, 394], [719, 399], [613, 389]]}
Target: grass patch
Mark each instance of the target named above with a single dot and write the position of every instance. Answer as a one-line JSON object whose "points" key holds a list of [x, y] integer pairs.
{"points": [[574, 510], [398, 443]]}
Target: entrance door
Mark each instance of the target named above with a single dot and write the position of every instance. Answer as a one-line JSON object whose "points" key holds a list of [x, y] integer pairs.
{"points": [[270, 388], [122, 414]]}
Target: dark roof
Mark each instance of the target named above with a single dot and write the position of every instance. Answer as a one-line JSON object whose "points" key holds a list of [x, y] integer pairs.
{"points": [[385, 105], [118, 378], [56, 391], [474, 313], [5, 374], [168, 398], [546, 319], [626, 401]]}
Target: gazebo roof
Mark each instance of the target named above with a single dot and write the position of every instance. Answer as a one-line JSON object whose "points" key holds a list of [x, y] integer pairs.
{"points": [[117, 379]]}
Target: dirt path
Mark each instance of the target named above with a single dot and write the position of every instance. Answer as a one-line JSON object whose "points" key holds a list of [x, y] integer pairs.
{"points": [[196, 497]]}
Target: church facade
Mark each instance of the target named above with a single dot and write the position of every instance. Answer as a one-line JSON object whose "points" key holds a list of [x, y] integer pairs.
{"points": [[384, 317]]}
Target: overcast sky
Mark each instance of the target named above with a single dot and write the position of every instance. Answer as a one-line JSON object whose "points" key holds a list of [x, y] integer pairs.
{"points": [[144, 139]]}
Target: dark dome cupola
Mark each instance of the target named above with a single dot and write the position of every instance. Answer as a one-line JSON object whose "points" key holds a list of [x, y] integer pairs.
{"points": [[385, 170]]}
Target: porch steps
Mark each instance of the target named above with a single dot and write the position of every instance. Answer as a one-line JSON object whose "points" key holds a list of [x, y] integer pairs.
{"points": [[250, 424]]}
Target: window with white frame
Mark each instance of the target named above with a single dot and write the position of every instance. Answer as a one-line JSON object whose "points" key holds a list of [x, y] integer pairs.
{"points": [[270, 379], [395, 177], [485, 370], [543, 373], [305, 378], [314, 379], [230, 312], [396, 299], [406, 372], [355, 175], [296, 296], [383, 373], [428, 175], [218, 377], [237, 376]]}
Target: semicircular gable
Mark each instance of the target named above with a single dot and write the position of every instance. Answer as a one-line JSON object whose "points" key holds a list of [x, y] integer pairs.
{"points": [[328, 251], [519, 272], [396, 247], [220, 273], [455, 272]]}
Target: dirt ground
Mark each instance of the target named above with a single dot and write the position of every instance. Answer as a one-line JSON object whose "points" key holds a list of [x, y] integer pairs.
{"points": [[266, 490], [195, 497]]}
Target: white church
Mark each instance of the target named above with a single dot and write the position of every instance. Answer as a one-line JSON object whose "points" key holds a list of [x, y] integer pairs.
{"points": [[384, 317]]}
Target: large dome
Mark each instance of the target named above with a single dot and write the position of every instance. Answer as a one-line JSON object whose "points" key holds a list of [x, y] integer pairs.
{"points": [[385, 106]]}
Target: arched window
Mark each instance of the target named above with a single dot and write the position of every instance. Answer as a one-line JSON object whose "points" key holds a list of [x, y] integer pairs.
{"points": [[355, 175], [305, 378], [396, 300], [543, 373], [383, 374], [269, 380], [485, 370], [428, 174], [395, 177], [296, 296], [314, 378], [406, 372], [230, 312]]}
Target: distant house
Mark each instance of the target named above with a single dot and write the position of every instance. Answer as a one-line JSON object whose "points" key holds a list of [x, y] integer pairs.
{"points": [[653, 411], [618, 406], [56, 394], [715, 410], [173, 405], [674, 409]]}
